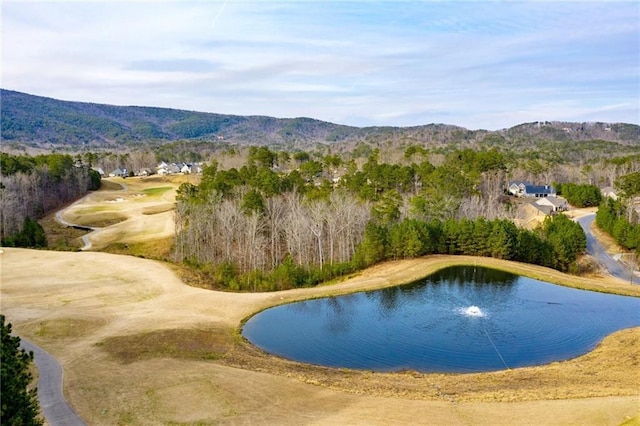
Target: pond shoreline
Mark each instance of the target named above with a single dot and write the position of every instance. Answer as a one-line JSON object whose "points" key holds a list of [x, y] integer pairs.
{"points": [[435, 325]]}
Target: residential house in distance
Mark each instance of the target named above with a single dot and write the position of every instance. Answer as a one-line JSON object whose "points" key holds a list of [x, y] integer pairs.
{"points": [[528, 190], [546, 206], [168, 169], [550, 205], [173, 168], [145, 171], [99, 170], [118, 173], [188, 168]]}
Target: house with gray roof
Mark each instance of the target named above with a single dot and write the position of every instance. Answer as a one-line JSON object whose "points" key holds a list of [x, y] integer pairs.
{"points": [[528, 190]]}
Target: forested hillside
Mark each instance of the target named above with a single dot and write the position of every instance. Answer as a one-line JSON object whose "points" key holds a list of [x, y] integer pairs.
{"points": [[34, 121], [49, 122]]}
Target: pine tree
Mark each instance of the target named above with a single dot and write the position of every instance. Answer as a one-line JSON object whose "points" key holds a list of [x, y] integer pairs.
{"points": [[19, 403]]}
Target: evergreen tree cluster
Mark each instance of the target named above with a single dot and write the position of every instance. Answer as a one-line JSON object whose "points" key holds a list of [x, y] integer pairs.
{"points": [[614, 218], [32, 236], [19, 403], [556, 243], [580, 195]]}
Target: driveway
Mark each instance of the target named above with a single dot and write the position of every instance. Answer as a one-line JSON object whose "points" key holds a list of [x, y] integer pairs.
{"points": [[595, 249]]}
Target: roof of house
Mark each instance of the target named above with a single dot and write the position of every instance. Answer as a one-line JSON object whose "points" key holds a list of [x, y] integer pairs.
{"points": [[519, 182], [554, 201], [539, 189], [544, 209]]}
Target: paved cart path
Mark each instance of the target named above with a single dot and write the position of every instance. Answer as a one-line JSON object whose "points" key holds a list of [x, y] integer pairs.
{"points": [[595, 249], [55, 407]]}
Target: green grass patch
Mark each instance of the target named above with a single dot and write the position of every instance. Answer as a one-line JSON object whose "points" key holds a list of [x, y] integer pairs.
{"points": [[635, 421], [91, 210], [205, 343], [156, 191]]}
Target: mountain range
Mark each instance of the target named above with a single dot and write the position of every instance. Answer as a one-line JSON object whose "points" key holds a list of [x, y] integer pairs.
{"points": [[29, 120]]}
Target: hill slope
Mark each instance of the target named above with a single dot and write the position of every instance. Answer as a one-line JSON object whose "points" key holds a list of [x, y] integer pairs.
{"points": [[48, 123]]}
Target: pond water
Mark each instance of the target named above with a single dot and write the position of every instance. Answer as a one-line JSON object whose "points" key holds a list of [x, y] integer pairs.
{"points": [[461, 319]]}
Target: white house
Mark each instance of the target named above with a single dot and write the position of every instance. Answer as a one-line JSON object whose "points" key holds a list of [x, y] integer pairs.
{"points": [[118, 173], [526, 189]]}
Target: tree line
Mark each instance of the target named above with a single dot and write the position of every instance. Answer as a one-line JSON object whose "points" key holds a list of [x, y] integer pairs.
{"points": [[259, 227], [31, 186], [618, 217], [555, 244], [580, 195]]}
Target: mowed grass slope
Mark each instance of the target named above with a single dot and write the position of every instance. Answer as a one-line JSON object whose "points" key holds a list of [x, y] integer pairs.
{"points": [[135, 215]]}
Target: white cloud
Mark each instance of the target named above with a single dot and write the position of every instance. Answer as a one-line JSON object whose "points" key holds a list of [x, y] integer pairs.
{"points": [[475, 64]]}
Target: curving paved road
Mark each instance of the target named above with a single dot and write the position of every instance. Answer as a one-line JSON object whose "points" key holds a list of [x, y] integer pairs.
{"points": [[85, 238], [595, 249], [90, 229], [52, 402]]}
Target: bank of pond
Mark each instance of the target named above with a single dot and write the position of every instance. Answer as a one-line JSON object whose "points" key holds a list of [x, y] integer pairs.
{"points": [[460, 319]]}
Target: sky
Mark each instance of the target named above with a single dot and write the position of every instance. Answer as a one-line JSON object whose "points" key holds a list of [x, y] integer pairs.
{"points": [[477, 64]]}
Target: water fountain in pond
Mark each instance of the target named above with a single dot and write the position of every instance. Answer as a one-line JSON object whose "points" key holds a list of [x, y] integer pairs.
{"points": [[472, 311], [447, 323]]}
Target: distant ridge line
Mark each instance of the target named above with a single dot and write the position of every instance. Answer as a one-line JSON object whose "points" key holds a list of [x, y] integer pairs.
{"points": [[37, 120]]}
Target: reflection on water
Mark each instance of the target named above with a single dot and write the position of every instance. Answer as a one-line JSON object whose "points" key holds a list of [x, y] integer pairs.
{"points": [[465, 284], [459, 319], [477, 276]]}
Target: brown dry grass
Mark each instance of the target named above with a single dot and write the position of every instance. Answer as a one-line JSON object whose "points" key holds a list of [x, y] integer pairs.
{"points": [[132, 212], [136, 356], [204, 343], [161, 208], [140, 347], [602, 372], [60, 237], [159, 249], [96, 219]]}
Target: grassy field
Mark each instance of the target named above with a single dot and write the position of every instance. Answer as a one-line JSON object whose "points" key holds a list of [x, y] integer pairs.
{"points": [[139, 347], [156, 191]]}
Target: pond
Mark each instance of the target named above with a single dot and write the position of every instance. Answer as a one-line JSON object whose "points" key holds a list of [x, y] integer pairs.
{"points": [[460, 319]]}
